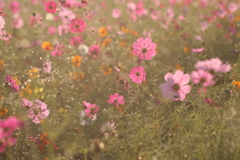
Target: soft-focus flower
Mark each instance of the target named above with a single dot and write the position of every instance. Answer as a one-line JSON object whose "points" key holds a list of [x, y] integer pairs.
{"points": [[17, 23], [102, 32], [106, 70], [202, 77], [67, 3], [77, 75], [198, 50], [86, 120], [50, 6], [76, 60], [116, 99], [37, 111], [107, 127], [116, 13], [58, 50], [137, 74], [47, 46], [4, 35], [66, 16], [51, 30], [43, 141], [33, 73], [106, 42], [76, 40], [11, 83], [3, 111], [77, 26], [15, 7], [47, 66], [94, 51], [204, 26], [236, 83], [144, 48], [91, 109], [63, 29], [176, 86], [1, 64], [83, 49], [213, 65]]}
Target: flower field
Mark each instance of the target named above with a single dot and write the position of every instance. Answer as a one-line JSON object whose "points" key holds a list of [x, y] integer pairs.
{"points": [[119, 80]]}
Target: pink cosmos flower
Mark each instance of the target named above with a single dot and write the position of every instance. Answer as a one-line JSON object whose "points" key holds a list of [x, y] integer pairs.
{"points": [[213, 65], [77, 26], [50, 6], [51, 30], [67, 3], [198, 50], [144, 48], [107, 128], [66, 16], [37, 111], [91, 109], [11, 83], [82, 3], [47, 66], [140, 9], [2, 22], [203, 77], [76, 40], [204, 26], [137, 74], [15, 7], [17, 23], [2, 4], [176, 86], [94, 51], [63, 29], [116, 99], [133, 17], [58, 50], [116, 13], [232, 7]]}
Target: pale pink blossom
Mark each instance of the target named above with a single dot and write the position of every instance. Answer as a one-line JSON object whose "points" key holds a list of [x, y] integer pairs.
{"points": [[176, 86], [202, 77], [116, 13], [17, 23], [198, 50], [213, 65], [66, 16], [47, 66], [63, 30], [11, 83], [38, 111]]}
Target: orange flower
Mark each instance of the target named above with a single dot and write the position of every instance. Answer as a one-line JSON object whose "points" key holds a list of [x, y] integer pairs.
{"points": [[106, 70], [16, 80], [102, 32], [186, 49], [106, 42], [77, 75], [33, 73], [179, 67], [236, 83], [124, 29], [47, 46], [26, 92], [133, 32], [1, 64], [76, 60], [3, 112], [42, 141], [123, 43]]}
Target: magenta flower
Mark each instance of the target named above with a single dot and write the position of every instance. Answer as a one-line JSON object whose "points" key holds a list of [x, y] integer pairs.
{"points": [[7, 127], [116, 99], [213, 65], [15, 7], [51, 30], [137, 74], [50, 6], [63, 29], [77, 26], [144, 48], [67, 3], [176, 86], [198, 50], [91, 109], [94, 51], [17, 23], [11, 83], [203, 77], [37, 110]]}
